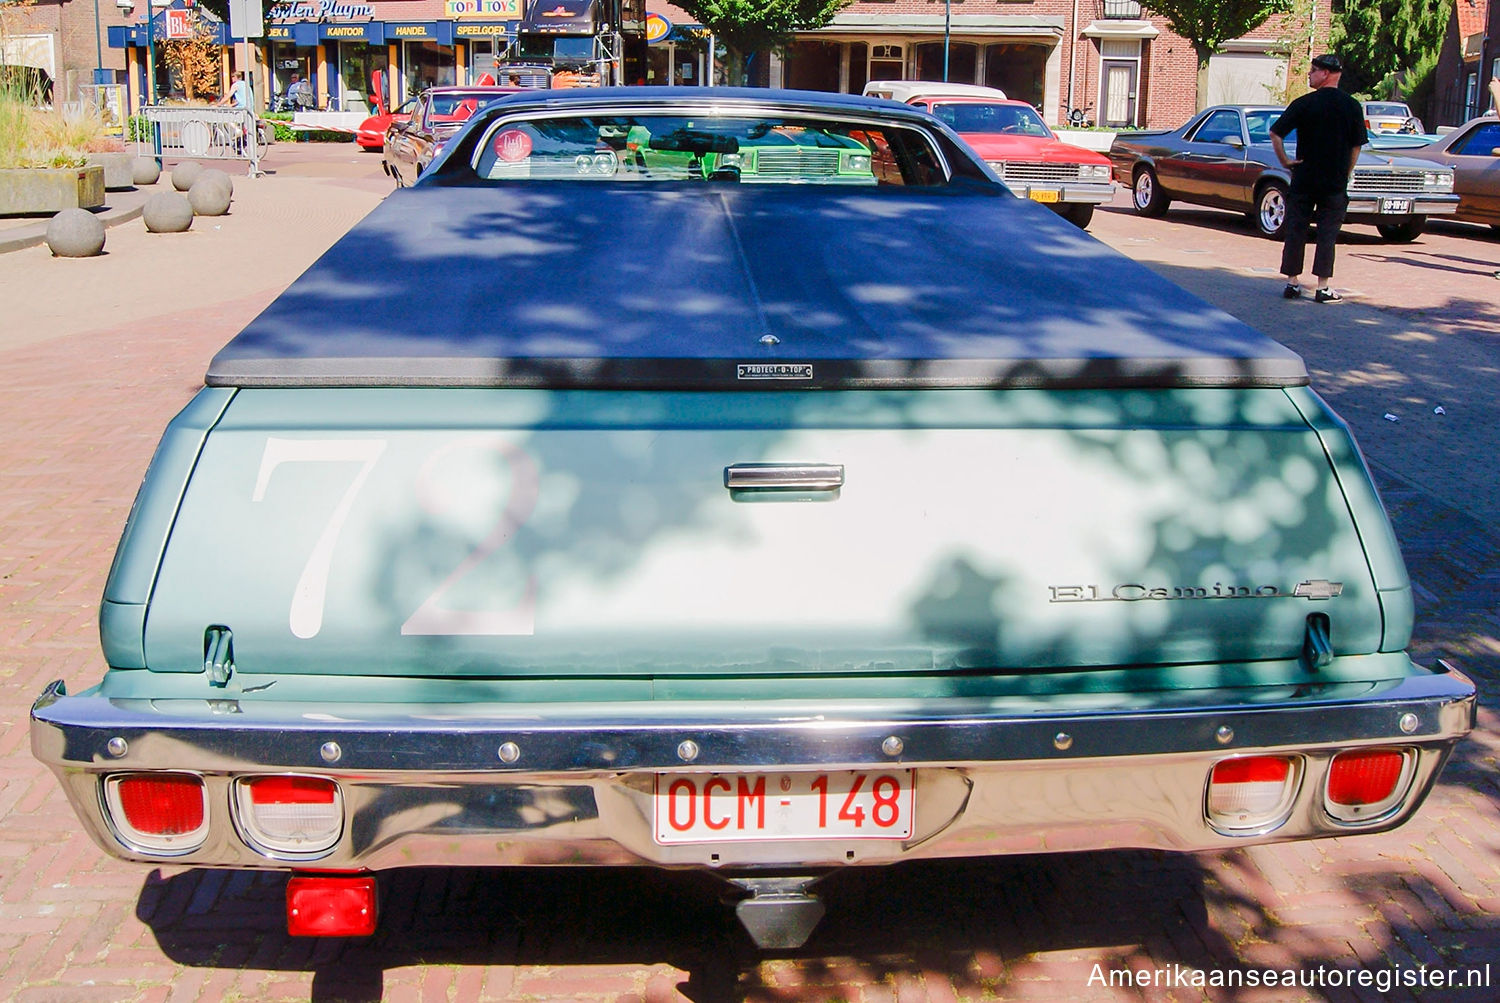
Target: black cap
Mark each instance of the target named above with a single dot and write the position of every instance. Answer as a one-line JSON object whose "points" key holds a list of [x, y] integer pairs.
{"points": [[1328, 61]]}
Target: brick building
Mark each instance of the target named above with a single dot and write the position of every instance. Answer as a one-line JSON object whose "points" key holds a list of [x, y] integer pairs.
{"points": [[1116, 63], [1469, 59], [67, 38]]}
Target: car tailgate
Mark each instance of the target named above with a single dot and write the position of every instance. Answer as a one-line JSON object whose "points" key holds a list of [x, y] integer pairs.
{"points": [[483, 532]]}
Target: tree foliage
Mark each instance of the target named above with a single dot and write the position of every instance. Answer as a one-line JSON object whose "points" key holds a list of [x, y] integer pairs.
{"points": [[194, 62], [1379, 39], [1208, 24], [747, 26]]}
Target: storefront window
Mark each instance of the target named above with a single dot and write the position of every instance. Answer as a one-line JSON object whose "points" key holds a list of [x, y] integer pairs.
{"points": [[962, 62], [357, 61], [1018, 70], [887, 62], [285, 61], [427, 65], [814, 66]]}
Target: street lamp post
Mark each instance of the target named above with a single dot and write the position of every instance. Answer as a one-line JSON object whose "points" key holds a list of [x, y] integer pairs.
{"points": [[947, 28]]}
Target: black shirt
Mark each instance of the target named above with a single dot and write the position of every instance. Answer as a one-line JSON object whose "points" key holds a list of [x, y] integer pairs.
{"points": [[1329, 123]]}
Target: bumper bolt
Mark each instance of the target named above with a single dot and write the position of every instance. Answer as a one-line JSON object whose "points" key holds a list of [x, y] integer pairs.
{"points": [[117, 746], [687, 751], [1224, 735], [892, 746], [331, 752], [1062, 741], [510, 752], [1409, 723]]}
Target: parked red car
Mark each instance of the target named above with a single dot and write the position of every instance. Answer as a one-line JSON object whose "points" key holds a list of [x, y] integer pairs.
{"points": [[1012, 138]]}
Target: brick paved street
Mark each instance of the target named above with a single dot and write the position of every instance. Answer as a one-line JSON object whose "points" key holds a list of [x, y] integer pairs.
{"points": [[97, 354]]}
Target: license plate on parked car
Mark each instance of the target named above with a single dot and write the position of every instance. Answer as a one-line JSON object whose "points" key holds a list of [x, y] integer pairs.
{"points": [[1395, 205], [1043, 195], [837, 804]]}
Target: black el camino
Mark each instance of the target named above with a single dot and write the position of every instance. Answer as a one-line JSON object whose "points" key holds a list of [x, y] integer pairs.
{"points": [[1223, 158]]}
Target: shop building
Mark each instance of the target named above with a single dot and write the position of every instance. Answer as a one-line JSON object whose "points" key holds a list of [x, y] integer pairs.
{"points": [[341, 47], [1115, 63]]}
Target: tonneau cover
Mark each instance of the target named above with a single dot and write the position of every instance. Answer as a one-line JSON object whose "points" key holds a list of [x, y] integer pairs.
{"points": [[636, 285]]}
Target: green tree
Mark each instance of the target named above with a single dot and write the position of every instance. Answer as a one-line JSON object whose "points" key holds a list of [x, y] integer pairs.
{"points": [[1208, 24], [1383, 41], [748, 26]]}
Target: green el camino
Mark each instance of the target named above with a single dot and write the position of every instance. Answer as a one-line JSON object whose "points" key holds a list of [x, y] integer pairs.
{"points": [[765, 530]]}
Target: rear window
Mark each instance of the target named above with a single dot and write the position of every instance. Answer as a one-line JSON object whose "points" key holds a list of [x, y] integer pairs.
{"points": [[1007, 119], [1374, 108], [687, 148]]}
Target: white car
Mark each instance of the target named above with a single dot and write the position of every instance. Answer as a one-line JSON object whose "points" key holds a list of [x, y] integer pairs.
{"points": [[1390, 116]]}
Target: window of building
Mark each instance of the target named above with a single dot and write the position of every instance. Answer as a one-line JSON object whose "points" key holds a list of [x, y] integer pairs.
{"points": [[1017, 69], [963, 62]]}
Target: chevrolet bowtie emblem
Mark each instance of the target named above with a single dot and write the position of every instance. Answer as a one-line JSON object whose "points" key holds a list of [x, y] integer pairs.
{"points": [[1318, 589]]}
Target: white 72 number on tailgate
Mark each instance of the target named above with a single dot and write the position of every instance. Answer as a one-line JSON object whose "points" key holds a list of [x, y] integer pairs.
{"points": [[310, 594]]}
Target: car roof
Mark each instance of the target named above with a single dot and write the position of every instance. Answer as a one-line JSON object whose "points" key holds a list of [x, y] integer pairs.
{"points": [[621, 285], [908, 90]]}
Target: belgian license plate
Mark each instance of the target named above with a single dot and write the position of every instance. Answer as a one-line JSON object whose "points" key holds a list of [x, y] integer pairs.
{"points": [[1395, 205], [837, 804], [1043, 195]]}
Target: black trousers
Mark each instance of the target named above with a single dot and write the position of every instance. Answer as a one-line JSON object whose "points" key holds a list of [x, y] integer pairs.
{"points": [[1327, 211]]}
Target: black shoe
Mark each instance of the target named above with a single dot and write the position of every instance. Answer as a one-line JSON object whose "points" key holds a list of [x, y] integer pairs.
{"points": [[1327, 296], [1292, 291]]}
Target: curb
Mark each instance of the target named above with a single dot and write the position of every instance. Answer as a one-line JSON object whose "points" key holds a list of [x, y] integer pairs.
{"points": [[34, 234]]}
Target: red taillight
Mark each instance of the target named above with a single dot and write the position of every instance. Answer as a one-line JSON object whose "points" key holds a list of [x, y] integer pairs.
{"points": [[291, 790], [162, 812], [290, 815], [1366, 783], [166, 805], [330, 906], [1251, 793]]}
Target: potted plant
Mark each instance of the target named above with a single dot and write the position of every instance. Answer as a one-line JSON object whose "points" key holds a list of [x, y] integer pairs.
{"points": [[44, 154]]}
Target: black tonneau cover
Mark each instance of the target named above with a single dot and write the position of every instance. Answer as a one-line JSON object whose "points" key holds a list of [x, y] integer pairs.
{"points": [[637, 285]]}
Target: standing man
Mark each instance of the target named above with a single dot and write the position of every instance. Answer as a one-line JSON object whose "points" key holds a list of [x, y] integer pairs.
{"points": [[1330, 131]]}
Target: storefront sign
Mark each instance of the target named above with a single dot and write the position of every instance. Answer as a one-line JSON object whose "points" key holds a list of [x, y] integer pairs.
{"points": [[504, 9], [440, 32], [319, 10], [178, 23], [481, 30], [371, 33], [280, 31], [657, 27]]}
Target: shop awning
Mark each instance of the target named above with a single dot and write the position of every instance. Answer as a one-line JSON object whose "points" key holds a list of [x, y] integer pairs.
{"points": [[560, 17]]}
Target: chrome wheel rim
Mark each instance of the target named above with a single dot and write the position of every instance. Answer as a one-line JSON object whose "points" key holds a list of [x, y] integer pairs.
{"points": [[1143, 190], [1272, 210]]}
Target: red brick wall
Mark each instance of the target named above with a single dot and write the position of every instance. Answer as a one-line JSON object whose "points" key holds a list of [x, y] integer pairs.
{"points": [[1167, 86], [72, 22]]}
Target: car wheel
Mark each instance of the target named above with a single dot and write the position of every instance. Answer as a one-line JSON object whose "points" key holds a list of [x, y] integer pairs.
{"points": [[1270, 210], [1078, 214], [1147, 196], [1402, 233]]}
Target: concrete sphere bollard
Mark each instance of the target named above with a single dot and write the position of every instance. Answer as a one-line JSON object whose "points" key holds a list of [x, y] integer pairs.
{"points": [[211, 193], [185, 173], [167, 212], [145, 171], [75, 233]]}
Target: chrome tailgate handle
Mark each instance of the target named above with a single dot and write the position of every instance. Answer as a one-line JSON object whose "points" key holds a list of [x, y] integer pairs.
{"points": [[784, 476]]}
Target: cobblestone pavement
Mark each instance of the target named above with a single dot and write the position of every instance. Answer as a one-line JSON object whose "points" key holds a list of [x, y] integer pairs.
{"points": [[97, 354]]}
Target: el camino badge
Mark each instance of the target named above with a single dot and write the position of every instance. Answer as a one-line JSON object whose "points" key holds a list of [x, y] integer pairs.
{"points": [[773, 371], [1317, 589]]}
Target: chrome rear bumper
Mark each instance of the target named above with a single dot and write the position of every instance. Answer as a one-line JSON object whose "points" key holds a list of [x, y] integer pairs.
{"points": [[536, 784]]}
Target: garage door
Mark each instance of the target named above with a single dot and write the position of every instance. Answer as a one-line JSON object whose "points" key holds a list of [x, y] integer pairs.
{"points": [[1246, 78]]}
